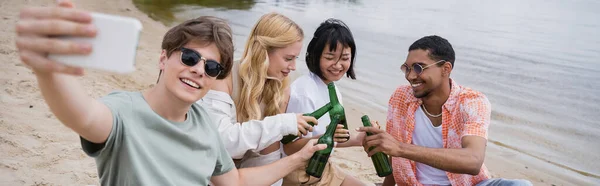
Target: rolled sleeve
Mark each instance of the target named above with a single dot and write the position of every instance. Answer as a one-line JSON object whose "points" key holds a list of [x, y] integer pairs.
{"points": [[476, 114]]}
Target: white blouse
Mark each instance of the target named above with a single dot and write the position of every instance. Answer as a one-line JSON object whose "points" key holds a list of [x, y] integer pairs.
{"points": [[307, 94], [253, 135]]}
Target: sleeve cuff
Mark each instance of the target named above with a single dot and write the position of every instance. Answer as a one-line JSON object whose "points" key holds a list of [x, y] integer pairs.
{"points": [[289, 122]]}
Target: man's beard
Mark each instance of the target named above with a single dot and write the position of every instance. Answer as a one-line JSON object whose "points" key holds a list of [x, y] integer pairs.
{"points": [[422, 95]]}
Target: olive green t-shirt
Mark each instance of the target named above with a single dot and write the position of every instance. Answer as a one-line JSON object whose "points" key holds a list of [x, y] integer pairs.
{"points": [[143, 148]]}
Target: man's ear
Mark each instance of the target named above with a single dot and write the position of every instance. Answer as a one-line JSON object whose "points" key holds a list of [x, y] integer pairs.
{"points": [[162, 60], [447, 69]]}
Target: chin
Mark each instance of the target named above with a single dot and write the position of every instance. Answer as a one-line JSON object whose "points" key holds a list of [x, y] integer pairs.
{"points": [[190, 98], [334, 78], [420, 94], [187, 98], [337, 78]]}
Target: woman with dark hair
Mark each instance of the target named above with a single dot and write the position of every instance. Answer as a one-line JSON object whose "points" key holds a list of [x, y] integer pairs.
{"points": [[330, 55]]}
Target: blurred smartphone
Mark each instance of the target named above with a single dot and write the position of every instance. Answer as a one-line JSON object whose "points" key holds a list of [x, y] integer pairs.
{"points": [[113, 48]]}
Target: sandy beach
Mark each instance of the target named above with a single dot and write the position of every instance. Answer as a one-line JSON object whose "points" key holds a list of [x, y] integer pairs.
{"points": [[36, 149]]}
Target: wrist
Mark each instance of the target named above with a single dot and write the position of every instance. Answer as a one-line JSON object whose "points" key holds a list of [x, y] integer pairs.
{"points": [[400, 151], [297, 161]]}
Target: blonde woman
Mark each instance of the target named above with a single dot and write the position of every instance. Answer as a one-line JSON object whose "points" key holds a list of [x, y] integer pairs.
{"points": [[254, 91]]}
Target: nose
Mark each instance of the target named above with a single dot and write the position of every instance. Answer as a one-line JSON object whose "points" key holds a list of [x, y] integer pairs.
{"points": [[338, 64], [292, 66], [411, 75], [198, 69]]}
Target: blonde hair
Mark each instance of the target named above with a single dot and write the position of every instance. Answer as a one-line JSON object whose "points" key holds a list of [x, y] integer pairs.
{"points": [[272, 31]]}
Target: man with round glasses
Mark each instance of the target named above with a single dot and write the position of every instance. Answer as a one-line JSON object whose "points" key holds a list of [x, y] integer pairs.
{"points": [[436, 131], [157, 136]]}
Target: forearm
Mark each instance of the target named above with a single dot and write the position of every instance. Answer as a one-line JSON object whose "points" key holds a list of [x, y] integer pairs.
{"points": [[461, 161], [389, 181], [69, 102], [254, 135], [295, 146], [264, 175]]}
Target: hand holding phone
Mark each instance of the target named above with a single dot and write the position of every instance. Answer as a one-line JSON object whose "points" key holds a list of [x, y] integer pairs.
{"points": [[50, 37], [113, 48]]}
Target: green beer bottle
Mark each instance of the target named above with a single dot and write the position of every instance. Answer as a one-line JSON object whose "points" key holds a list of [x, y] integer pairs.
{"points": [[317, 162], [380, 159], [336, 107], [316, 114]]}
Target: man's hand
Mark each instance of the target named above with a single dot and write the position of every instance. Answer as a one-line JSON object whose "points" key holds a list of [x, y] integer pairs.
{"points": [[303, 126], [36, 28], [358, 138], [380, 141]]}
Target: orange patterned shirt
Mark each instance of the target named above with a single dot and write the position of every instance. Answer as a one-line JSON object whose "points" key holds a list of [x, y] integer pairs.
{"points": [[466, 112]]}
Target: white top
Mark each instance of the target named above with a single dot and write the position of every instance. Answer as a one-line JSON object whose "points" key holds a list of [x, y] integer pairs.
{"points": [[307, 94], [426, 135], [245, 140], [253, 135]]}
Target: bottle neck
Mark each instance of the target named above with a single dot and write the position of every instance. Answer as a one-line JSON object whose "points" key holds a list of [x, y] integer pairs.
{"points": [[333, 99], [321, 111], [332, 126]]}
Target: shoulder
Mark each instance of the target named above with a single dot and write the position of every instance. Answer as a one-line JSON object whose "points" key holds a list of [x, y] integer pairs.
{"points": [[223, 85], [302, 85], [215, 95], [401, 93], [121, 94], [120, 98], [467, 95], [304, 80], [403, 90]]}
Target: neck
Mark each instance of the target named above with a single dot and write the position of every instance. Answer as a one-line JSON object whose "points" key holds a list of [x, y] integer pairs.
{"points": [[434, 101], [166, 104], [325, 81]]}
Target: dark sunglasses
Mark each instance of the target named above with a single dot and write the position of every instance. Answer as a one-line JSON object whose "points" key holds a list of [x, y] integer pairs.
{"points": [[191, 58], [417, 67]]}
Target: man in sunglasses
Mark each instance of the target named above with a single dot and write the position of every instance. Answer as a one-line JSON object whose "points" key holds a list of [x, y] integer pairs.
{"points": [[157, 136], [436, 131]]}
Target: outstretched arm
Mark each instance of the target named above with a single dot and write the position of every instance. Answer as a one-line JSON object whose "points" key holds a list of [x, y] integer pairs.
{"points": [[62, 92]]}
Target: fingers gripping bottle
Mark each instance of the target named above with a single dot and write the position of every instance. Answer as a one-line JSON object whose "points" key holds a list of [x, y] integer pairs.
{"points": [[317, 162], [380, 160], [316, 114], [336, 107]]}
